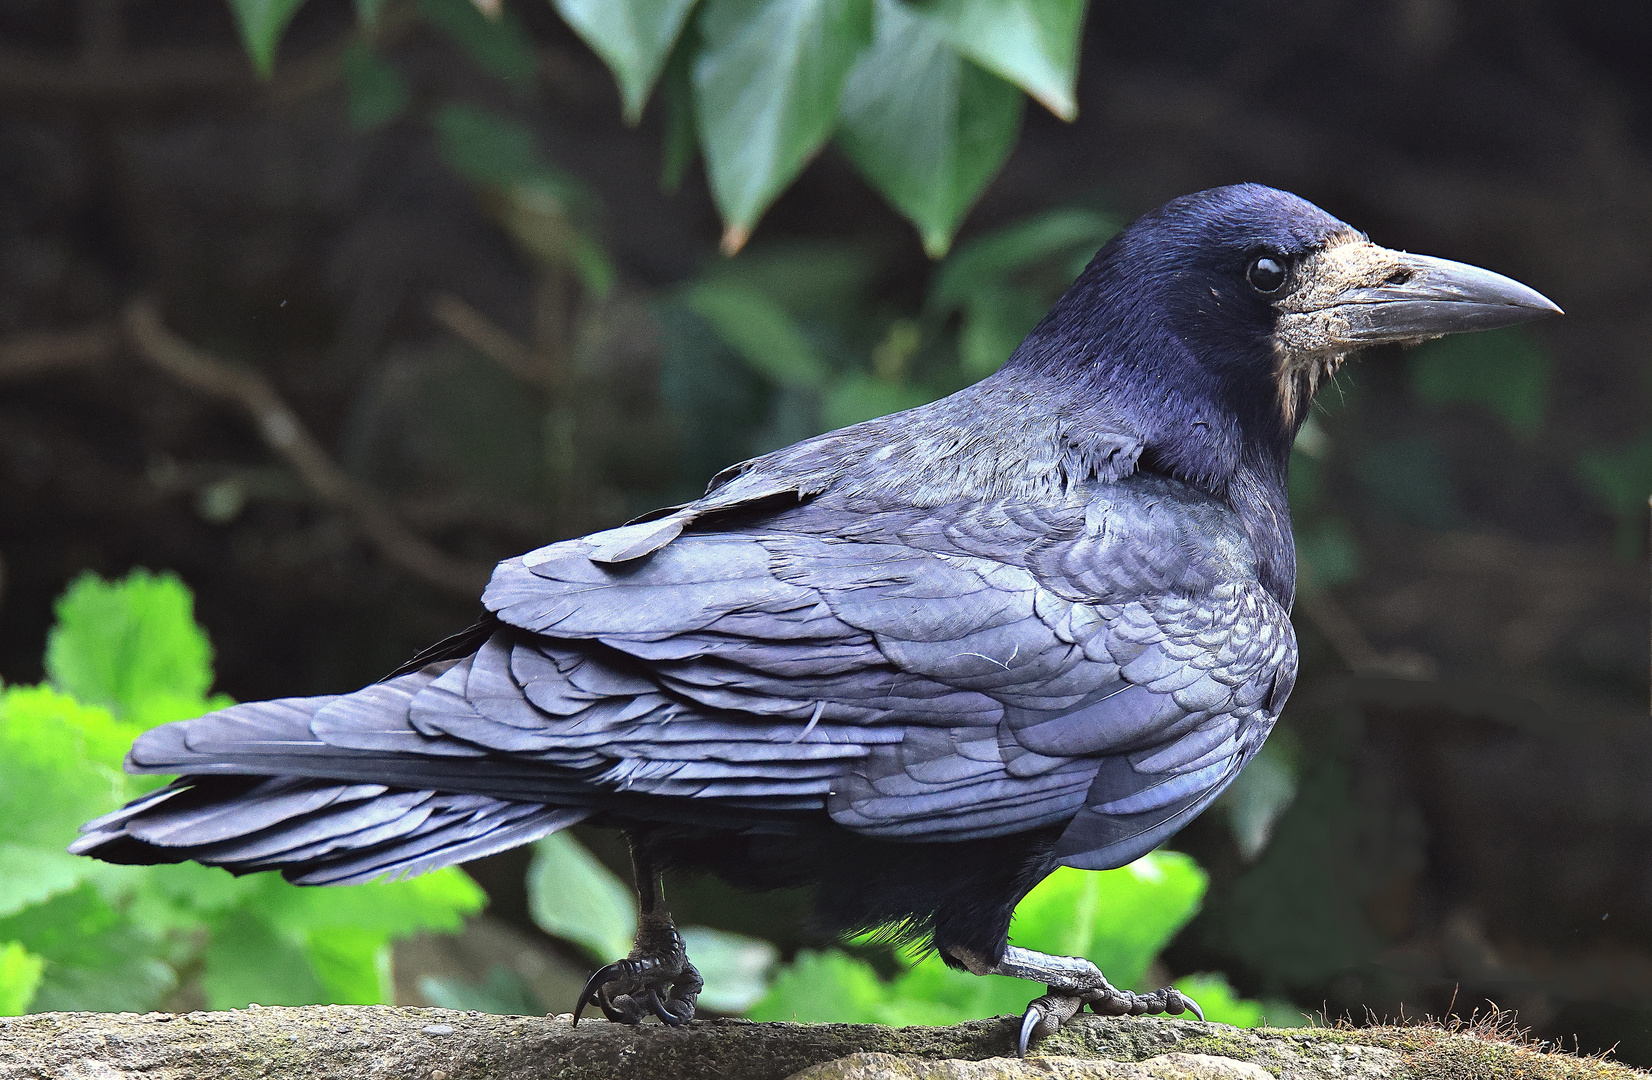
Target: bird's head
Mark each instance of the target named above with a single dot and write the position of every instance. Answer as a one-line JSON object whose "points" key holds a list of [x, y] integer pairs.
{"points": [[1246, 298]]}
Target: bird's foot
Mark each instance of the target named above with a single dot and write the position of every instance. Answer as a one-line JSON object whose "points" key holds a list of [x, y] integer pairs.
{"points": [[656, 979], [1045, 1015], [1073, 982]]}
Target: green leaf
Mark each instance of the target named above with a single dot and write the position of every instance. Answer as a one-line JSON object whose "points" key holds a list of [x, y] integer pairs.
{"points": [[574, 897], [1032, 43], [862, 397], [61, 764], [262, 22], [633, 37], [19, 977], [995, 321], [761, 331], [503, 992], [486, 148], [95, 959], [536, 204], [500, 46], [29, 875], [925, 126], [378, 93], [1265, 789], [1218, 1001], [680, 145], [439, 900], [248, 962], [1410, 477], [736, 968], [766, 89], [1621, 478], [813, 280], [325, 945], [1504, 371], [829, 987], [125, 644], [986, 261], [353, 965], [1120, 918], [1328, 553]]}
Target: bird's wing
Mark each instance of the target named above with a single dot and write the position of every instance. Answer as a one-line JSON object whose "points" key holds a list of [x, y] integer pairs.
{"points": [[926, 674], [933, 674]]}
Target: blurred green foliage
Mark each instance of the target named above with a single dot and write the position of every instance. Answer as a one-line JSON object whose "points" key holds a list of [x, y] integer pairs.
{"points": [[1503, 371], [924, 96], [1121, 919], [574, 897], [1620, 478], [80, 934]]}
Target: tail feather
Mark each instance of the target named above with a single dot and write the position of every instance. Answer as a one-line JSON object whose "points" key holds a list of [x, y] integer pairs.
{"points": [[330, 790], [315, 831]]}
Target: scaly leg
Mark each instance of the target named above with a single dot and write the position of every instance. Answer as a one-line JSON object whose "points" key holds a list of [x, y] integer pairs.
{"points": [[1073, 983], [657, 977]]}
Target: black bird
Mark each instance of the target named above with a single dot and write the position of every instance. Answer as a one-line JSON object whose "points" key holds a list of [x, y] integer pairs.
{"points": [[916, 664]]}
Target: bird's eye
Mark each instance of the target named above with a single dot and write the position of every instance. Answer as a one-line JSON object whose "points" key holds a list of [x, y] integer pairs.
{"points": [[1266, 275]]}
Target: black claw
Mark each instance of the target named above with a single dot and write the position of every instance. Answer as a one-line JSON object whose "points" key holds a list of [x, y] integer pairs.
{"points": [[1193, 1007], [1032, 1018], [666, 1015], [593, 986]]}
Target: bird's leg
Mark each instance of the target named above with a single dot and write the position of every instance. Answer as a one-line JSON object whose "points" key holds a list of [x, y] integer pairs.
{"points": [[1073, 982], [656, 977]]}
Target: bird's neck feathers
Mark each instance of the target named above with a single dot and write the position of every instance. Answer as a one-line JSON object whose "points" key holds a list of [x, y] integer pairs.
{"points": [[1119, 363]]}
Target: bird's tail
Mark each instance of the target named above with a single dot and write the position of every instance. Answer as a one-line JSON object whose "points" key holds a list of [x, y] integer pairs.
{"points": [[262, 792]]}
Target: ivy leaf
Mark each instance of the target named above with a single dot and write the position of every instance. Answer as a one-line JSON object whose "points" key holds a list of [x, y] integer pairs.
{"points": [[633, 37], [262, 22], [761, 331], [128, 643], [574, 897], [766, 90], [1032, 43], [925, 126]]}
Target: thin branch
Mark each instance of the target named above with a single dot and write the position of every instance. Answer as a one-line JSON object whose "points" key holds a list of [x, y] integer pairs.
{"points": [[284, 433], [24, 356], [489, 338], [1339, 628]]}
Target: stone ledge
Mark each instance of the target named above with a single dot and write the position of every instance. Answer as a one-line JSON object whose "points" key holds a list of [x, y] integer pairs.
{"points": [[355, 1042]]}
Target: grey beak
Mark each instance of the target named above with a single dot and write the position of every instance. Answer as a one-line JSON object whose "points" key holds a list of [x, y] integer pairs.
{"points": [[1439, 297]]}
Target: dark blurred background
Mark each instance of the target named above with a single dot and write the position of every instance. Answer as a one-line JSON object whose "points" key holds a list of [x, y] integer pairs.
{"points": [[1468, 758]]}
